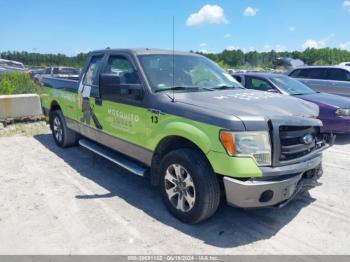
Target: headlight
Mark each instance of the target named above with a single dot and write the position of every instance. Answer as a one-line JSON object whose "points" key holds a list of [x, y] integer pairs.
{"points": [[252, 144], [343, 112]]}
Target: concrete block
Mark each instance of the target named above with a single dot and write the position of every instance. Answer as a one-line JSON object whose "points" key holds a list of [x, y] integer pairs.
{"points": [[20, 106]]}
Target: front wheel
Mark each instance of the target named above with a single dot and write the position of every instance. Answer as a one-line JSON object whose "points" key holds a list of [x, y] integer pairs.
{"points": [[190, 188]]}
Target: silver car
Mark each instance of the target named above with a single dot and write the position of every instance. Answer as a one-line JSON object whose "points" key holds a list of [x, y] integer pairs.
{"points": [[327, 79]]}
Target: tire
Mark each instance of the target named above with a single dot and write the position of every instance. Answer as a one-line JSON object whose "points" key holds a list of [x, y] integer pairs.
{"points": [[195, 194], [63, 136]]}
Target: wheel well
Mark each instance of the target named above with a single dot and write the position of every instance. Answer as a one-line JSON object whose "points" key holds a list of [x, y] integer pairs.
{"points": [[54, 106], [165, 146]]}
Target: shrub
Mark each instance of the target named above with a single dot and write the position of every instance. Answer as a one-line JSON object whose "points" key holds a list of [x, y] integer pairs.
{"points": [[17, 83]]}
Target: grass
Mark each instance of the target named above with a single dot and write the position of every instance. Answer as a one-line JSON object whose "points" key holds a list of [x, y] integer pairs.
{"points": [[17, 83]]}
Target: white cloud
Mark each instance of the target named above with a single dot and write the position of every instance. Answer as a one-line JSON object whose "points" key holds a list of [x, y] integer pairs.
{"points": [[232, 47], [311, 43], [346, 5], [243, 49], [203, 45], [277, 48], [315, 43], [291, 29], [345, 46], [204, 51], [210, 14], [250, 11], [227, 36]]}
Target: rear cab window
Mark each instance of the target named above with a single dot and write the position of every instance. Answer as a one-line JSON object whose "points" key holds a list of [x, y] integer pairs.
{"points": [[91, 76]]}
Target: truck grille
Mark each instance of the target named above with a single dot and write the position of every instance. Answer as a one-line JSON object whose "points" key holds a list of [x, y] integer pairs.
{"points": [[298, 141]]}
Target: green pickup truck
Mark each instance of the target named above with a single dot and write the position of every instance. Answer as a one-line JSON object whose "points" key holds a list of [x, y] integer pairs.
{"points": [[180, 120]]}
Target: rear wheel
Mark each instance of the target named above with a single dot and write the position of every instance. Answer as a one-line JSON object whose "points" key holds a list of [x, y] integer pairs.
{"points": [[63, 136], [190, 188]]}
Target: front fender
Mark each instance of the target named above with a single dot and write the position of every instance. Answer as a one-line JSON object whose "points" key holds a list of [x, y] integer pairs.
{"points": [[205, 136]]}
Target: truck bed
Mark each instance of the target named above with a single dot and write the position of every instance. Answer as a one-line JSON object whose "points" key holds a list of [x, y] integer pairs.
{"points": [[60, 83]]}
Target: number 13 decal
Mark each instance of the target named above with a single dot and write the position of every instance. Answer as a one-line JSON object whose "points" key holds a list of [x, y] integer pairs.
{"points": [[154, 119]]}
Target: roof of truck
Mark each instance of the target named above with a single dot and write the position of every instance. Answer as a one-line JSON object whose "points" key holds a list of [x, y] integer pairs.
{"points": [[145, 51]]}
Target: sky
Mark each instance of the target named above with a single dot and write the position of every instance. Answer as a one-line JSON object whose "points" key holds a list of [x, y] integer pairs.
{"points": [[74, 26]]}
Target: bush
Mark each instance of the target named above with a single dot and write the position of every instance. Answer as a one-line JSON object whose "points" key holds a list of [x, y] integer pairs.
{"points": [[17, 83]]}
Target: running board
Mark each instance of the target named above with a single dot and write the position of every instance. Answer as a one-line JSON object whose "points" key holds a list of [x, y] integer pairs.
{"points": [[113, 156]]}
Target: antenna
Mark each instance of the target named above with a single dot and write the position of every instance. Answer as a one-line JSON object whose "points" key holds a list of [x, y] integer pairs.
{"points": [[173, 98]]}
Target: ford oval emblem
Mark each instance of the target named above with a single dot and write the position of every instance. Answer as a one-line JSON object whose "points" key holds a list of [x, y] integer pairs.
{"points": [[307, 139]]}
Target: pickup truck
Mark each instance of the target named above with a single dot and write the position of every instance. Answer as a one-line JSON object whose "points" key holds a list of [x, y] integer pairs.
{"points": [[180, 120]]}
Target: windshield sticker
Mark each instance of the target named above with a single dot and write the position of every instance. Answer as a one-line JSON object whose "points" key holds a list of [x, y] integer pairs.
{"points": [[248, 96]]}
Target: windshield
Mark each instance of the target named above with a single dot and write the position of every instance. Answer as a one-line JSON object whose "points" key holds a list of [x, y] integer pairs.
{"points": [[291, 86], [188, 73]]}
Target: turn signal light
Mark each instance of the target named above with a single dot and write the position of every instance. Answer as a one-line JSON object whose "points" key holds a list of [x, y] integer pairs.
{"points": [[227, 141]]}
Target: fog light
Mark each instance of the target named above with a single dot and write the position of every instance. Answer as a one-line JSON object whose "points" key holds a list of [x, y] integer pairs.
{"points": [[266, 196]]}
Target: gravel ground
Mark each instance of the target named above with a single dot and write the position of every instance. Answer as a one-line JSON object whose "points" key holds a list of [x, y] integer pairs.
{"points": [[70, 201]]}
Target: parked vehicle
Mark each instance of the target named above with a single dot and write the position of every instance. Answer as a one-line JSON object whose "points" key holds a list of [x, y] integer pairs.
{"points": [[334, 110], [287, 62], [34, 71], [11, 66], [58, 72], [181, 120], [327, 79], [345, 64]]}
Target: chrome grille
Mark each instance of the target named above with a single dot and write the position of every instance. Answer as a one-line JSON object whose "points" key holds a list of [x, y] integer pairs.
{"points": [[297, 141]]}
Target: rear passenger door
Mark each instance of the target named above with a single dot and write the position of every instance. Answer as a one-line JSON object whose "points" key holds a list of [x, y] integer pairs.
{"points": [[315, 78], [339, 81]]}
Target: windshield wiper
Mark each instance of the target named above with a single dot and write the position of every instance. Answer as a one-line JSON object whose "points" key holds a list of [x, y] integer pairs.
{"points": [[191, 88], [222, 87]]}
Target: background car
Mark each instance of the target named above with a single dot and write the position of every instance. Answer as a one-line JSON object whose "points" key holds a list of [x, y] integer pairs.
{"points": [[58, 72], [11, 66], [328, 79], [345, 64], [334, 110]]}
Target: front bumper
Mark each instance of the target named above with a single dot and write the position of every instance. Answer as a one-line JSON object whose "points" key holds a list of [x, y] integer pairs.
{"points": [[337, 125], [273, 190]]}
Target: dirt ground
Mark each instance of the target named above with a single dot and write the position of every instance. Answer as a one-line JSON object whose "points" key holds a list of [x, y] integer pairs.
{"points": [[70, 201]]}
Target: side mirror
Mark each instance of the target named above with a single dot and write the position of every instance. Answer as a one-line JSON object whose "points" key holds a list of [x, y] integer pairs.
{"points": [[112, 89], [109, 81]]}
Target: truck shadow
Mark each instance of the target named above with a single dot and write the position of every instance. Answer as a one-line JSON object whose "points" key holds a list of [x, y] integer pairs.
{"points": [[230, 227]]}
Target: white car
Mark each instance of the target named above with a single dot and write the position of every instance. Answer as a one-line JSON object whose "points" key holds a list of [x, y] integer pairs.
{"points": [[10, 66], [345, 64]]}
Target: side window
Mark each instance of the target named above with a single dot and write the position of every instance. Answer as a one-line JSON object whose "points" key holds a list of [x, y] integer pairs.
{"points": [[258, 84], [338, 74], [91, 76], [238, 78], [296, 73], [317, 73], [122, 67]]}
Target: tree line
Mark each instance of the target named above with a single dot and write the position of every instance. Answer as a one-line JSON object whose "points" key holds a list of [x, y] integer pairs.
{"points": [[310, 56], [226, 58], [43, 60]]}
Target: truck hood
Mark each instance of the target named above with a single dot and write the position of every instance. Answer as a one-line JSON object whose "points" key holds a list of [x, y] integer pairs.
{"points": [[249, 103], [327, 99]]}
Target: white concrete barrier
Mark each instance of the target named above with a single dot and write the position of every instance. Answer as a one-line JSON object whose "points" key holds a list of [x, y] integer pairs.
{"points": [[19, 106]]}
